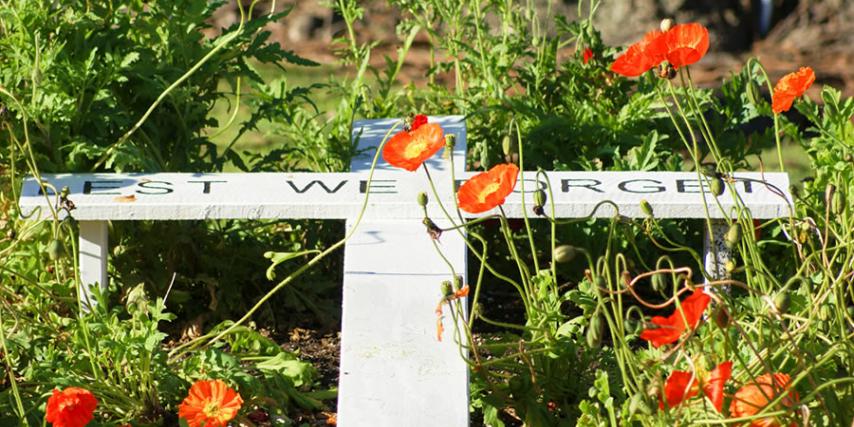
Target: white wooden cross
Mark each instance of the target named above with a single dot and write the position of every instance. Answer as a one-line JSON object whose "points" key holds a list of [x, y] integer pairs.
{"points": [[393, 370]]}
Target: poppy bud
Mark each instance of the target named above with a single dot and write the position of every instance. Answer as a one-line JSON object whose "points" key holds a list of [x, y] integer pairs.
{"points": [[730, 266], [658, 282], [564, 253], [837, 203], [595, 331], [829, 191], [717, 186], [666, 24], [507, 145], [599, 283], [630, 325], [447, 288], [646, 208], [709, 169], [733, 236], [782, 300], [55, 250], [64, 192], [539, 201], [422, 199], [638, 404], [721, 317]]}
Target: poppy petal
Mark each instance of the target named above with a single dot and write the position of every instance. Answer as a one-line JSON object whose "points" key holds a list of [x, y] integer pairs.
{"points": [[790, 87], [714, 384], [680, 385], [487, 190]]}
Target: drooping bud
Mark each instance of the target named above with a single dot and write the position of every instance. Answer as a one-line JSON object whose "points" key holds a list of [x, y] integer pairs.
{"points": [[422, 199], [659, 282], [717, 186], [837, 203], [539, 202], [564, 254], [666, 24], [64, 192], [646, 208], [721, 317], [595, 331], [782, 300], [507, 145], [55, 250], [733, 236], [829, 191]]}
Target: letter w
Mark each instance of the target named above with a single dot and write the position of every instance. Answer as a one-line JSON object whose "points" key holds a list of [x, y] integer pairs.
{"points": [[319, 182]]}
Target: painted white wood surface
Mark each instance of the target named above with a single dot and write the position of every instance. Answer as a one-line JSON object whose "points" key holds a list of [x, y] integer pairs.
{"points": [[171, 196], [393, 370], [93, 247]]}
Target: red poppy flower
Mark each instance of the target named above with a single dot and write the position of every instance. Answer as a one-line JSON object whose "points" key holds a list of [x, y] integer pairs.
{"points": [[588, 54], [417, 121], [753, 397], [72, 407], [791, 86], [409, 149], [685, 44], [487, 190], [683, 385], [641, 56], [210, 403], [669, 329]]}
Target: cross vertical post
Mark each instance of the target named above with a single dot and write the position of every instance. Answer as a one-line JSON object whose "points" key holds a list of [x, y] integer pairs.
{"points": [[93, 246], [716, 253], [394, 371]]}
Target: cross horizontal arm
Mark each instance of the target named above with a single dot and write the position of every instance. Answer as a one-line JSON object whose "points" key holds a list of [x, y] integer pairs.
{"points": [[194, 196]]}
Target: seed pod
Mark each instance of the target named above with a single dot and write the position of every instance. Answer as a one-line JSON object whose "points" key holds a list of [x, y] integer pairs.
{"points": [[422, 199], [733, 236], [599, 283], [837, 203], [450, 141], [717, 186], [646, 208], [55, 250], [595, 331], [447, 288], [564, 254]]}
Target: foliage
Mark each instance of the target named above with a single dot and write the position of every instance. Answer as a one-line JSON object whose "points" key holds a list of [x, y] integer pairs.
{"points": [[95, 86]]}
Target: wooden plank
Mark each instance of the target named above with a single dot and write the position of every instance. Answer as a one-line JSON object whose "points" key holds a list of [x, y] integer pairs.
{"points": [[394, 372], [172, 196], [94, 239]]}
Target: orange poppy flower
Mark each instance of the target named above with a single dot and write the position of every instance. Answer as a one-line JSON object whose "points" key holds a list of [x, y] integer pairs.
{"points": [[487, 190], [588, 54], [72, 407], [683, 385], [409, 149], [791, 86], [685, 44], [210, 403], [753, 397], [669, 329], [641, 56]]}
